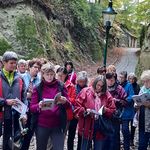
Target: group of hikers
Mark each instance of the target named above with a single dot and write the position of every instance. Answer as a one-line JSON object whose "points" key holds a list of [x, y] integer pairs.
{"points": [[94, 110]]}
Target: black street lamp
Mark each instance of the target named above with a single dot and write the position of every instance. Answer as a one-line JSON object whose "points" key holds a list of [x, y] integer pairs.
{"points": [[108, 16]]}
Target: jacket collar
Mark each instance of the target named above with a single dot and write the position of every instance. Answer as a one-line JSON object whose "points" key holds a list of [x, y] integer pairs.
{"points": [[68, 83], [14, 73]]}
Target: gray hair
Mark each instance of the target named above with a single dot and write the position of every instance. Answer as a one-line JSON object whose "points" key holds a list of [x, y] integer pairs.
{"points": [[103, 79], [82, 75], [57, 67], [124, 73], [21, 61], [145, 75], [48, 67], [132, 75], [9, 55]]}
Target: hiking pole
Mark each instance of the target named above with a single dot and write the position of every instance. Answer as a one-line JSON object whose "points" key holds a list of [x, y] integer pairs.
{"points": [[84, 115], [90, 130], [13, 134]]}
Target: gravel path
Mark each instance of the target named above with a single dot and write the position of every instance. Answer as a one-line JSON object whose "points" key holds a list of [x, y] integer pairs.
{"points": [[128, 60]]}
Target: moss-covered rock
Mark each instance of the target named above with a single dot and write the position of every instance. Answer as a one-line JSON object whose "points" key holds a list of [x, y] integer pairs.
{"points": [[57, 29], [4, 45], [28, 36]]}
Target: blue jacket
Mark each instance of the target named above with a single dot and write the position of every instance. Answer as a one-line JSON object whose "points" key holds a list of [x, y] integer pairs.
{"points": [[27, 78], [128, 111]]}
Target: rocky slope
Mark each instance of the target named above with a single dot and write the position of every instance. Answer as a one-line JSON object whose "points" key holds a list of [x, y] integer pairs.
{"points": [[49, 29], [59, 30]]}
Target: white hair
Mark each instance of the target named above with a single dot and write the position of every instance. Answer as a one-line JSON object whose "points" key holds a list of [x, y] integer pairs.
{"points": [[132, 75], [22, 61], [82, 75], [145, 75], [57, 67]]}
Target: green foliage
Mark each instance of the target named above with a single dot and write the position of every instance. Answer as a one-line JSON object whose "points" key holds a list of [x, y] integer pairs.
{"points": [[142, 35], [95, 14], [85, 14], [143, 12], [4, 45], [27, 35], [86, 22], [80, 10], [39, 36], [86, 19], [45, 32], [69, 46], [132, 14], [26, 29], [88, 41], [96, 51], [139, 69]]}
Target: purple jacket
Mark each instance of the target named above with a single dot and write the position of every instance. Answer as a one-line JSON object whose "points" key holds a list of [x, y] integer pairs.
{"points": [[48, 118], [119, 93]]}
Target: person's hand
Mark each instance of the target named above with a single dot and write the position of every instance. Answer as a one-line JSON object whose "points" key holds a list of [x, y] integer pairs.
{"points": [[121, 101], [11, 102], [24, 118], [137, 106], [96, 117], [29, 94], [116, 100], [90, 112], [40, 104], [61, 100]]}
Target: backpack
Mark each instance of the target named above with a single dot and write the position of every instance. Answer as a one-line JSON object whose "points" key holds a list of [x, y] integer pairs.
{"points": [[63, 112]]}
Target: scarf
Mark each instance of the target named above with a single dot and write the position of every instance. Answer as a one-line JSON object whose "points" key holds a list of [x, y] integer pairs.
{"points": [[145, 90], [9, 76], [112, 88], [98, 103]]}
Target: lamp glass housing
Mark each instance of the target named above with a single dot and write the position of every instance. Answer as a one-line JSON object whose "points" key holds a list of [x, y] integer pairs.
{"points": [[109, 15]]}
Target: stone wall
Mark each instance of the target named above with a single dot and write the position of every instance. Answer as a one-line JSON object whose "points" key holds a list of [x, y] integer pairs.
{"points": [[144, 58]]}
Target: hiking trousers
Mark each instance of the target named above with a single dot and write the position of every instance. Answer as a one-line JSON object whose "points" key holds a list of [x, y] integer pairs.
{"points": [[55, 134]]}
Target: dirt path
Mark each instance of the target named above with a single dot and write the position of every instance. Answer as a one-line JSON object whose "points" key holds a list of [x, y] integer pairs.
{"points": [[114, 57], [125, 59], [128, 60]]}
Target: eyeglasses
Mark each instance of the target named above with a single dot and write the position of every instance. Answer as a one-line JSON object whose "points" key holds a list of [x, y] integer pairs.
{"points": [[36, 67]]}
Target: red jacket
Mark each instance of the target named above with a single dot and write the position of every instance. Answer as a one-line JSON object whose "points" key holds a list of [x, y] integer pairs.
{"points": [[85, 100], [72, 97], [71, 91], [72, 77]]}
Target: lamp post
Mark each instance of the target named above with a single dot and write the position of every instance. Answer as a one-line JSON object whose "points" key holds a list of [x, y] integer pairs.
{"points": [[108, 17]]}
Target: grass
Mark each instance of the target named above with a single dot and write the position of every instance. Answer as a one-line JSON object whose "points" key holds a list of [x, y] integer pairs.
{"points": [[4, 45]]}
